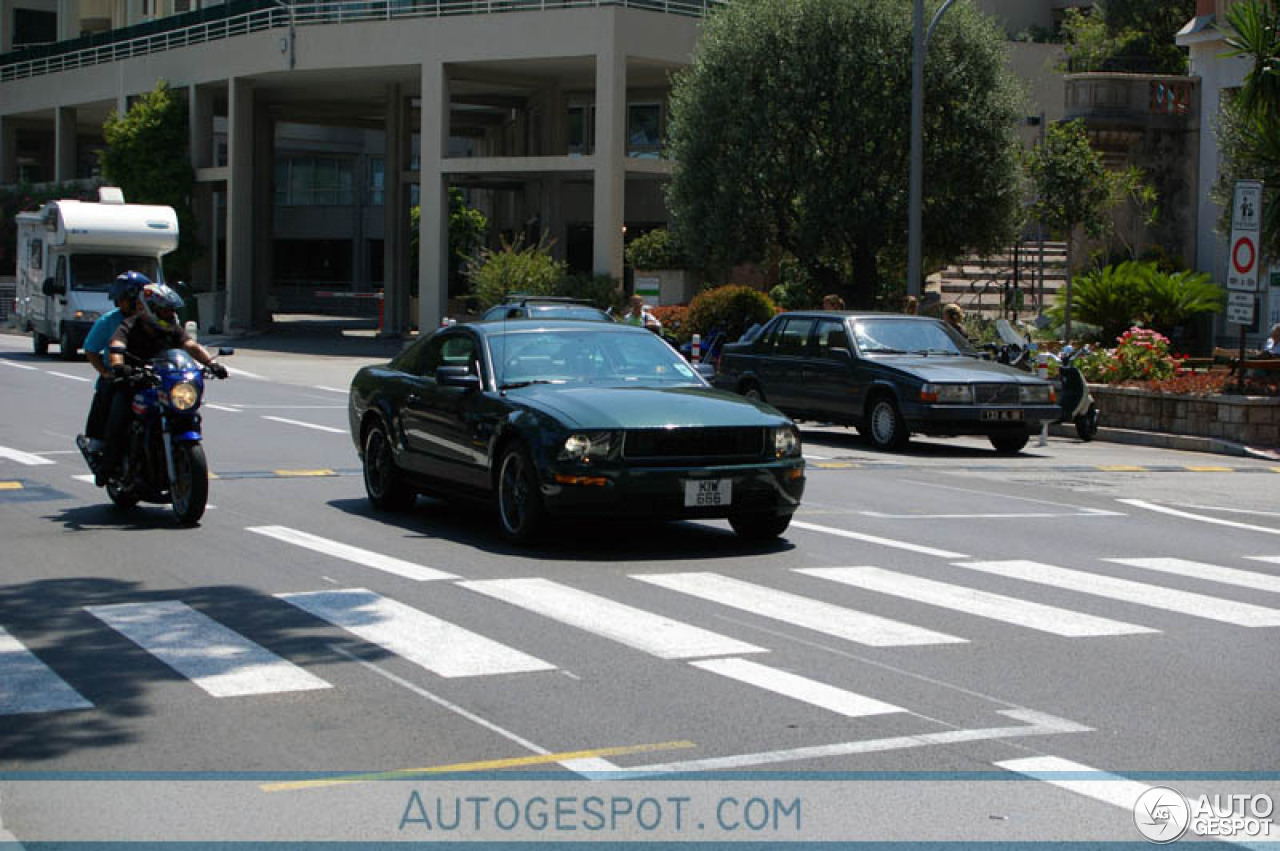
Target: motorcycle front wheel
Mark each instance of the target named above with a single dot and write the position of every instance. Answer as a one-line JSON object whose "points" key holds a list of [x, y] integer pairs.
{"points": [[189, 490], [121, 497]]}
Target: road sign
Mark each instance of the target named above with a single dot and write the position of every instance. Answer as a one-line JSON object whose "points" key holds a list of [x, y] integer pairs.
{"points": [[1246, 221], [1240, 308]]}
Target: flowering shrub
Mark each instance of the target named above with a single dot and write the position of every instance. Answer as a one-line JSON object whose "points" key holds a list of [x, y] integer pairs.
{"points": [[1140, 354], [673, 318]]}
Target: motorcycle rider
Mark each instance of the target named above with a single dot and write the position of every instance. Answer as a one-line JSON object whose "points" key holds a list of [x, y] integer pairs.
{"points": [[123, 292], [153, 329]]}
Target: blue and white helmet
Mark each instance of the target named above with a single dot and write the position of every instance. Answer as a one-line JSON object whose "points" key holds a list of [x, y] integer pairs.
{"points": [[161, 305], [127, 285]]}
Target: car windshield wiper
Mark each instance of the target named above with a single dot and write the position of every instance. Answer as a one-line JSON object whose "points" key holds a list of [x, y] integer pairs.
{"points": [[934, 352], [518, 384], [884, 350]]}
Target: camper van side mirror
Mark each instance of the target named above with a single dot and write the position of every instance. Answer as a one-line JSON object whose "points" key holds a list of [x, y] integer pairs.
{"points": [[52, 287]]}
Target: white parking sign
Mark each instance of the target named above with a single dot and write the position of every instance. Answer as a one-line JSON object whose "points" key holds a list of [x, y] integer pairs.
{"points": [[1246, 219]]}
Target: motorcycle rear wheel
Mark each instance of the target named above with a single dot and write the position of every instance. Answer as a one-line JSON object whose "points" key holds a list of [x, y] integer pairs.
{"points": [[189, 490]]}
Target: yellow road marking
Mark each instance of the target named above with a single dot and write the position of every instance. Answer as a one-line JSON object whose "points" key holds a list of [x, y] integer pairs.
{"points": [[1275, 469], [1210, 469], [1122, 468], [10, 486], [835, 465], [486, 765], [302, 473]]}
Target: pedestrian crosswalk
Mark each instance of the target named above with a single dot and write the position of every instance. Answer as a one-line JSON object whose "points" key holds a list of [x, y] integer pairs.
{"points": [[721, 640]]}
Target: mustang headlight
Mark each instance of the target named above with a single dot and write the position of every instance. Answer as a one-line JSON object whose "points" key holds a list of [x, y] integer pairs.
{"points": [[1036, 394], [786, 442], [588, 447], [947, 393], [184, 396]]}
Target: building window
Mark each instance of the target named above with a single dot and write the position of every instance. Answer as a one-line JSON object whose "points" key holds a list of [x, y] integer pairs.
{"points": [[315, 181], [377, 180], [582, 130], [644, 130]]}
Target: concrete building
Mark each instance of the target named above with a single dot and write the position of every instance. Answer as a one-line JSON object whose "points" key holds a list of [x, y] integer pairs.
{"points": [[317, 125]]}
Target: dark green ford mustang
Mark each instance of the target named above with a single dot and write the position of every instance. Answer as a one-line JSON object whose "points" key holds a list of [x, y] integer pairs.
{"points": [[571, 418]]}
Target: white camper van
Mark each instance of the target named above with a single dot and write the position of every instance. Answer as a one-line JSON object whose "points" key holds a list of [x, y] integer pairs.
{"points": [[69, 252]]}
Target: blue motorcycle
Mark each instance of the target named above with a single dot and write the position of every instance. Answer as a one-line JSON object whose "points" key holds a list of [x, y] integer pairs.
{"points": [[164, 461]]}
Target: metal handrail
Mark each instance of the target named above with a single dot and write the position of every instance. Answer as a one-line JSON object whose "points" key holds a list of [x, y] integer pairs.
{"points": [[324, 12]]}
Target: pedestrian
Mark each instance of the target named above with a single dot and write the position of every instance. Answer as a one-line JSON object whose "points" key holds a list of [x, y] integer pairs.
{"points": [[639, 314], [1272, 345], [911, 305], [954, 317], [831, 301]]}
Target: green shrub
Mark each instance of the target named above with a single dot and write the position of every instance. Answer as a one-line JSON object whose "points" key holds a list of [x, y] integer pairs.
{"points": [[731, 309], [795, 289], [1138, 293], [656, 249], [513, 268], [601, 290]]}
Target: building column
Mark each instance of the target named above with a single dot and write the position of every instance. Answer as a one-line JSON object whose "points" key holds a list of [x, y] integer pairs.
{"points": [[68, 19], [64, 144], [395, 218], [239, 235], [200, 121], [610, 177], [6, 26], [264, 206], [433, 196], [8, 152]]}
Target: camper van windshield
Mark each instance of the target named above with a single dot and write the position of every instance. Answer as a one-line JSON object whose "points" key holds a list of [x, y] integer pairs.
{"points": [[95, 272]]}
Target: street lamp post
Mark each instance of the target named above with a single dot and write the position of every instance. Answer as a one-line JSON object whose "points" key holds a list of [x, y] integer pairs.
{"points": [[920, 44]]}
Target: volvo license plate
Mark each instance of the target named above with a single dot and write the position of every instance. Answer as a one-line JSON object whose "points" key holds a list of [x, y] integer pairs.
{"points": [[1003, 416], [704, 493]]}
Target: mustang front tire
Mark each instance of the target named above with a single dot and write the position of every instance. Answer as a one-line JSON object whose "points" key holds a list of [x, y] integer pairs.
{"points": [[520, 509], [383, 483]]}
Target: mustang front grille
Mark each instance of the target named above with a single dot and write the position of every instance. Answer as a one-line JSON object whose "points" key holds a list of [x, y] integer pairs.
{"points": [[995, 394], [692, 442]]}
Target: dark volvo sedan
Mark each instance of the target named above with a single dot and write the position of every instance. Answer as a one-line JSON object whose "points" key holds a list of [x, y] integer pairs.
{"points": [[557, 417], [888, 375]]}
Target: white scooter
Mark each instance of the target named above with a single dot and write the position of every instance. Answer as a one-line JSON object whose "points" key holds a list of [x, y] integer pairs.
{"points": [[1076, 401]]}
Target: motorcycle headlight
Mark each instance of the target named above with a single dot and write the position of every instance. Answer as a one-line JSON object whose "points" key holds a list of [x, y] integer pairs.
{"points": [[947, 393], [1035, 394], [786, 442], [184, 396], [588, 447]]}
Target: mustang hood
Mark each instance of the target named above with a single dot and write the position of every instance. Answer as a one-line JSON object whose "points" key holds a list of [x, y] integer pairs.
{"points": [[954, 368], [649, 407]]}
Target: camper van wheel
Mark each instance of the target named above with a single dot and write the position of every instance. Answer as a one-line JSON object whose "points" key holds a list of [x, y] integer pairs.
{"points": [[39, 343], [68, 351]]}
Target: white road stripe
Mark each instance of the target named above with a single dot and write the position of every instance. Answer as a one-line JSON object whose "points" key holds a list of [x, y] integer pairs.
{"points": [[805, 612], [29, 685], [796, 687], [19, 365], [387, 564], [68, 375], [1139, 593], [220, 661], [1108, 788], [439, 646], [1217, 521], [306, 425], [873, 539], [654, 634], [341, 390], [23, 457], [1025, 515], [971, 601], [1200, 570], [243, 374], [1268, 559], [227, 408]]}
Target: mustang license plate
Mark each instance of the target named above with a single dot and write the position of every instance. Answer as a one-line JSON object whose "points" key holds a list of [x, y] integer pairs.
{"points": [[1003, 416], [700, 493]]}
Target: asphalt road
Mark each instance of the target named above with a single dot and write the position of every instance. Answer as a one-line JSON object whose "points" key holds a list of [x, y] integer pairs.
{"points": [[943, 611]]}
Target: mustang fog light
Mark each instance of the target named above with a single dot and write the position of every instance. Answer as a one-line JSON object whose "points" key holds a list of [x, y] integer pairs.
{"points": [[947, 393], [184, 396], [587, 447], [786, 442], [1036, 394]]}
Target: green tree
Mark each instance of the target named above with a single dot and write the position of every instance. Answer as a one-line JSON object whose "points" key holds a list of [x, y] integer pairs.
{"points": [[147, 157], [514, 268], [467, 227], [1128, 35], [790, 130]]}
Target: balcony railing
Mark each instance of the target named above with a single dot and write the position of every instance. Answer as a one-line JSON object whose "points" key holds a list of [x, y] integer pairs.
{"points": [[249, 16]]}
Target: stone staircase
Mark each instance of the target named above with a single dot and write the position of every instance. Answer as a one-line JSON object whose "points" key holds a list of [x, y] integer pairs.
{"points": [[986, 285]]}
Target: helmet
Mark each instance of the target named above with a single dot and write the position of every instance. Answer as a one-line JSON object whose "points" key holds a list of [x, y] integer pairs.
{"points": [[127, 285], [161, 305]]}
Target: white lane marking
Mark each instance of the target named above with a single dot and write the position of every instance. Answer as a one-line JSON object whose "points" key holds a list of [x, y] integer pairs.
{"points": [[1200, 570], [1225, 510], [579, 765], [19, 365], [307, 425], [1218, 521], [1139, 593], [805, 612], [220, 661], [1034, 724], [243, 373], [226, 408], [23, 457], [971, 601], [796, 687], [377, 561], [29, 685], [873, 539], [68, 375], [341, 390], [651, 633], [89, 479], [809, 457], [1083, 512], [1268, 559], [443, 648]]}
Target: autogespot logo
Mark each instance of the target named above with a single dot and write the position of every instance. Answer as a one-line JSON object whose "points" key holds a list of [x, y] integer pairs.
{"points": [[1161, 814]]}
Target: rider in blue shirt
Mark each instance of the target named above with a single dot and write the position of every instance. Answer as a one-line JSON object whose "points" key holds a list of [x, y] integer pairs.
{"points": [[124, 292]]}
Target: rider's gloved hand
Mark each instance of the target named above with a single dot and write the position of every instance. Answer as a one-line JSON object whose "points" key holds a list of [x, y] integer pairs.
{"points": [[121, 371], [218, 369]]}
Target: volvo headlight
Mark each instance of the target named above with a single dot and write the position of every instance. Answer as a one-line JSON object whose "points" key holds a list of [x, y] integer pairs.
{"points": [[588, 447], [786, 442], [184, 396], [87, 315], [1035, 394], [947, 393]]}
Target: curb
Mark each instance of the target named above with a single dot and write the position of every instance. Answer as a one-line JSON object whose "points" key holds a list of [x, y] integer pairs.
{"points": [[1162, 440]]}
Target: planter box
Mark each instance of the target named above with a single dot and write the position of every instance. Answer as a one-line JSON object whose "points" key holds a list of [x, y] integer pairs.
{"points": [[663, 286], [1250, 420]]}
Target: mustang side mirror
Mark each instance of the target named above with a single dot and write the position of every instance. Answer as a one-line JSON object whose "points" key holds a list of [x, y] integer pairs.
{"points": [[457, 376]]}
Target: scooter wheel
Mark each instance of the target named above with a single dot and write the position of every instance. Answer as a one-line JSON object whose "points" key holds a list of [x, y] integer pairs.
{"points": [[1087, 424]]}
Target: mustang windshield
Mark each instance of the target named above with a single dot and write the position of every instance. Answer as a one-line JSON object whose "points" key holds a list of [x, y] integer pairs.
{"points": [[906, 335], [586, 357]]}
